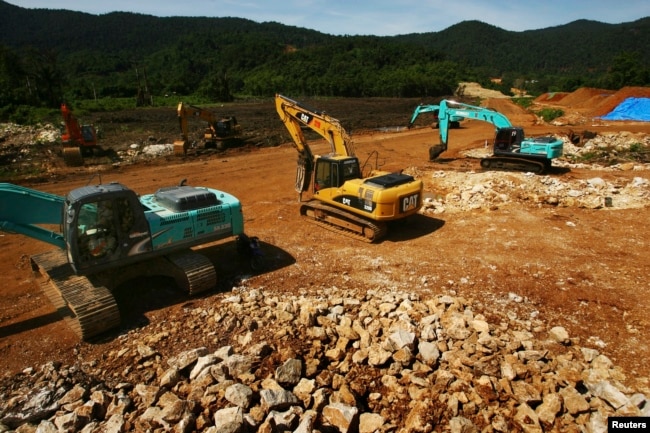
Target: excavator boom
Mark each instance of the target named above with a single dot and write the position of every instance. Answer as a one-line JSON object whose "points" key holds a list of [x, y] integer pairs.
{"points": [[29, 209], [294, 115], [434, 109]]}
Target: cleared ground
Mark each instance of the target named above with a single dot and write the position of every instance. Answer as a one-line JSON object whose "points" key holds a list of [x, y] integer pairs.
{"points": [[582, 268]]}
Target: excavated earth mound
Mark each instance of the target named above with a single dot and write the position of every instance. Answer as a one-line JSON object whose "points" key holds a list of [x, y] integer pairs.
{"points": [[591, 101], [551, 97], [608, 104]]}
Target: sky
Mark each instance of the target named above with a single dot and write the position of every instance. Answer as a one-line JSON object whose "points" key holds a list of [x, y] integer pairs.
{"points": [[373, 17]]}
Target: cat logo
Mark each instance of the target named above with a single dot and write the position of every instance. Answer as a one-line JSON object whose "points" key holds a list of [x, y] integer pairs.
{"points": [[410, 202], [304, 117]]}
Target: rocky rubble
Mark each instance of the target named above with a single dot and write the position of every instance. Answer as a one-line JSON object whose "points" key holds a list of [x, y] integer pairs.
{"points": [[339, 361], [493, 189]]}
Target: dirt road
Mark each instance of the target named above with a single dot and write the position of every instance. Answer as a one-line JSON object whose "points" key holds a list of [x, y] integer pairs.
{"points": [[582, 268]]}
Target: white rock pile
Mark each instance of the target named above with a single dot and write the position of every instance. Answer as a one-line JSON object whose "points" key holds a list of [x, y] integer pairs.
{"points": [[493, 189], [341, 361]]}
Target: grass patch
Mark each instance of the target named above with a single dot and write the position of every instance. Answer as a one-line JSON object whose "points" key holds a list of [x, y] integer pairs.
{"points": [[523, 102], [637, 152], [550, 114]]}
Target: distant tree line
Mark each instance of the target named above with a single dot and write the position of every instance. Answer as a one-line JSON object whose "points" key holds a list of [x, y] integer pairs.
{"points": [[48, 56]]}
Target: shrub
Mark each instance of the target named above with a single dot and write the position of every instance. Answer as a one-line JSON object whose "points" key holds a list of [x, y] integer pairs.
{"points": [[549, 114]]}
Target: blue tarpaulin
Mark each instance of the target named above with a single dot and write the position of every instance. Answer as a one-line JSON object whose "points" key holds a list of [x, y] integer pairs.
{"points": [[631, 109]]}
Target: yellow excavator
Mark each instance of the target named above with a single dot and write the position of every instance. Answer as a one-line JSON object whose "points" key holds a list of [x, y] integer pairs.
{"points": [[218, 133], [342, 199]]}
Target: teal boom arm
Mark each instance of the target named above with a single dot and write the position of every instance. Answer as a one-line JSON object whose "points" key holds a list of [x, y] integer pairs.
{"points": [[23, 209], [451, 109], [422, 109]]}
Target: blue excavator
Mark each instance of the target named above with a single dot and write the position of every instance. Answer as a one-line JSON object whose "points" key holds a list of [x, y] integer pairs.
{"points": [[107, 234], [512, 150]]}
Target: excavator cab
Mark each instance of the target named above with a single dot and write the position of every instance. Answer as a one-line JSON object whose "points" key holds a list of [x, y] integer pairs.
{"points": [[226, 127], [334, 172], [104, 224], [508, 140]]}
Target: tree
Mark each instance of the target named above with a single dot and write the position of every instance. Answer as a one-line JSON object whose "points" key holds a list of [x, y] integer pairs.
{"points": [[46, 80], [12, 79], [215, 87], [627, 70]]}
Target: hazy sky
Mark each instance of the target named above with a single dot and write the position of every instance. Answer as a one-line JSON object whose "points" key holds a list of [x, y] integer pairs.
{"points": [[373, 17]]}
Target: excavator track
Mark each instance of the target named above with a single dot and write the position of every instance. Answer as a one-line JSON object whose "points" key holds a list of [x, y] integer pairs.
{"points": [[193, 272], [340, 221], [87, 308], [513, 164], [86, 302]]}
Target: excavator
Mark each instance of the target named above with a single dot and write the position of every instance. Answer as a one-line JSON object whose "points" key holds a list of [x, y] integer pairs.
{"points": [[454, 121], [106, 235], [217, 134], [512, 150], [342, 199], [77, 139]]}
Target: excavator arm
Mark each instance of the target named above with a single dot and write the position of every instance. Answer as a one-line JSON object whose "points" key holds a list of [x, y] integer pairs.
{"points": [[181, 146], [422, 108], [23, 210], [184, 111], [454, 121]]}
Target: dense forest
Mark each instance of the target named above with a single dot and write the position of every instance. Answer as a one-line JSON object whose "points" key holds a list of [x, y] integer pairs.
{"points": [[48, 56]]}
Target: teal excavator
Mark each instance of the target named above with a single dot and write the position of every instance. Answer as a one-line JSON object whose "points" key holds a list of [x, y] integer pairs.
{"points": [[512, 150], [107, 234]]}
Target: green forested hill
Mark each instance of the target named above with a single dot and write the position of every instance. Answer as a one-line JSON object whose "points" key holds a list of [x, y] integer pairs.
{"points": [[580, 46], [51, 55], [120, 32]]}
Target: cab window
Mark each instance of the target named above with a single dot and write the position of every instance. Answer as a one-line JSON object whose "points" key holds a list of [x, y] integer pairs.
{"points": [[97, 235], [325, 176]]}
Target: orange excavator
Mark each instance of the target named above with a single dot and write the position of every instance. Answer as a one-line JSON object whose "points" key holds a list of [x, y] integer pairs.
{"points": [[77, 139]]}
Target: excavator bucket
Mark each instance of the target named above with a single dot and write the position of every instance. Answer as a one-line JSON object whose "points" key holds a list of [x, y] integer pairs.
{"points": [[180, 148]]}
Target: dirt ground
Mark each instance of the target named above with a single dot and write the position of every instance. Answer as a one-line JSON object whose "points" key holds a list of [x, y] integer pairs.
{"points": [[584, 269]]}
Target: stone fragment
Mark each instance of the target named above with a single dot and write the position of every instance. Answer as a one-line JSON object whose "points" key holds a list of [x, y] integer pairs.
{"points": [[277, 399], [559, 335], [343, 417], [239, 394], [229, 420]]}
